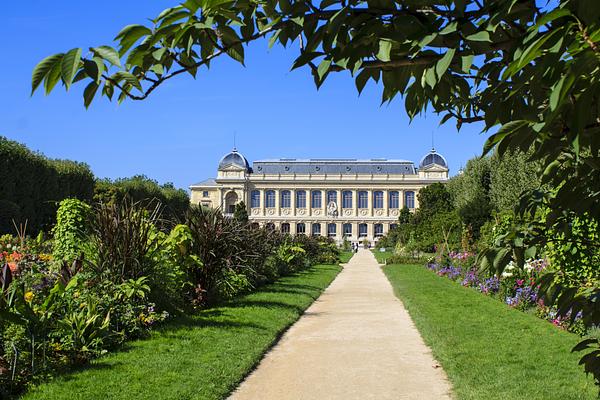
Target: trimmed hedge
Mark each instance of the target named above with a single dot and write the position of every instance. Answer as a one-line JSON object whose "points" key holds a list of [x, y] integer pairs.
{"points": [[32, 185]]}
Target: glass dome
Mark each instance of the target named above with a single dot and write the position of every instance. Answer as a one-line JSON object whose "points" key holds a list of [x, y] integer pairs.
{"points": [[234, 158], [433, 157]]}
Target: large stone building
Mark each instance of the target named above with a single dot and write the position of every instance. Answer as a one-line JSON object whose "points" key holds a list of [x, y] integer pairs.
{"points": [[340, 198]]}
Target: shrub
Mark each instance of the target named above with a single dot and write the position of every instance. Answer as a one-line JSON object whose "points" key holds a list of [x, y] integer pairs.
{"points": [[71, 229]]}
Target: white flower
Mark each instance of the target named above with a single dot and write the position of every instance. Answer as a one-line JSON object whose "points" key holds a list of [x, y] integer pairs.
{"points": [[507, 274], [511, 265]]}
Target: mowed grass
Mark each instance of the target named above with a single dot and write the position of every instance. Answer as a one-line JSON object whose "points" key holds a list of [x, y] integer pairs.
{"points": [[345, 256], [488, 350], [200, 357]]}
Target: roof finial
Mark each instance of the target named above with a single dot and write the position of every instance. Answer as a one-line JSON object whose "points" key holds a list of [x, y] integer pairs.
{"points": [[234, 147], [432, 141]]}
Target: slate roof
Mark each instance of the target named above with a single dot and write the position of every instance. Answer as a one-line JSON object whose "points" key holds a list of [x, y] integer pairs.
{"points": [[206, 182], [433, 157], [317, 166]]}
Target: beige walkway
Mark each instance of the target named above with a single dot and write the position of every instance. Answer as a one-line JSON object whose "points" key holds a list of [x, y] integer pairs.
{"points": [[355, 342]]}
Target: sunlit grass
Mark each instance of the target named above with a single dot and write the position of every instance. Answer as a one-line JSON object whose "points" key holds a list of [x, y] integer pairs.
{"points": [[489, 350], [199, 357]]}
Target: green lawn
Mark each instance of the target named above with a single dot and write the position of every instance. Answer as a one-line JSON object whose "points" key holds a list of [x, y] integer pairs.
{"points": [[382, 255], [345, 256], [488, 350], [200, 357]]}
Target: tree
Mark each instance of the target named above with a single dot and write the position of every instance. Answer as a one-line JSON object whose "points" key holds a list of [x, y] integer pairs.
{"points": [[240, 213], [434, 199], [528, 69]]}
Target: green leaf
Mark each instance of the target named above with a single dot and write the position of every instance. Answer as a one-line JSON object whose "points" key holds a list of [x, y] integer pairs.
{"points": [[52, 78], [109, 54], [323, 68], [442, 65], [131, 34], [129, 78], [89, 93], [466, 63], [482, 36], [70, 65], [42, 70], [385, 47]]}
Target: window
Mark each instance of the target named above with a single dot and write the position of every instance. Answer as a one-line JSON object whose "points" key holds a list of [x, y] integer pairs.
{"points": [[409, 199], [286, 199], [393, 226], [347, 229], [363, 199], [255, 225], [270, 226], [300, 229], [394, 201], [362, 230], [346, 199], [205, 193], [316, 199], [255, 199], [270, 199], [378, 230], [331, 230], [285, 228], [378, 199], [316, 229], [332, 196], [205, 204], [301, 199]]}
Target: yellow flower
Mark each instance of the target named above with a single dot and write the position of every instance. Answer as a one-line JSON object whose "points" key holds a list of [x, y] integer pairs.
{"points": [[28, 296]]}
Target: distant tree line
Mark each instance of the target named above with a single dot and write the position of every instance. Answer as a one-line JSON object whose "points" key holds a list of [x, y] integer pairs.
{"points": [[32, 186]]}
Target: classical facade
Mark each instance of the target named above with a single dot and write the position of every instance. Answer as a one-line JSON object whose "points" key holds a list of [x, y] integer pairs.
{"points": [[339, 198]]}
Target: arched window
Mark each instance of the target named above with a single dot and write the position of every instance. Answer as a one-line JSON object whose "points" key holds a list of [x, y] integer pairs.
{"points": [[270, 199], [316, 229], [255, 225], [286, 199], [393, 226], [331, 196], [315, 199], [301, 199], [255, 199], [409, 199], [270, 226], [378, 199], [362, 230], [300, 228], [347, 230], [394, 201], [331, 230], [363, 199], [346, 199], [285, 228], [378, 230]]}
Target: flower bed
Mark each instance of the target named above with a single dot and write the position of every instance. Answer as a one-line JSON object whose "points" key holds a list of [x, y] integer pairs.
{"points": [[516, 288]]}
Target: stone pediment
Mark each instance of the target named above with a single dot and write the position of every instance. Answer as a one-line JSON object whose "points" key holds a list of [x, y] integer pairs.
{"points": [[433, 168], [231, 167]]}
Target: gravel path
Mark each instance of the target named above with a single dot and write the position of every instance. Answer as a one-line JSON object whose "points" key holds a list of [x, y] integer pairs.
{"points": [[356, 341]]}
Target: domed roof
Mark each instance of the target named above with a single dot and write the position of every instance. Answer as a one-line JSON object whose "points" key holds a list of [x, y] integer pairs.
{"points": [[433, 157], [234, 158]]}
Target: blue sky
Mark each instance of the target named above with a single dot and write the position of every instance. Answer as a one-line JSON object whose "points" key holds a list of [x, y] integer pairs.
{"points": [[179, 134]]}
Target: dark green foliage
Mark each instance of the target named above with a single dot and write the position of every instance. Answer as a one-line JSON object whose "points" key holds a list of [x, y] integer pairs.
{"points": [[240, 213], [33, 185], [124, 239], [143, 189]]}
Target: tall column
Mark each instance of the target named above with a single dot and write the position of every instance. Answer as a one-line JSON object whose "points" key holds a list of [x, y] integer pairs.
{"points": [[293, 228], [293, 201], [309, 202], [277, 202], [324, 201], [370, 231], [386, 210], [340, 231], [339, 200], [401, 198], [370, 203], [355, 206], [262, 202]]}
